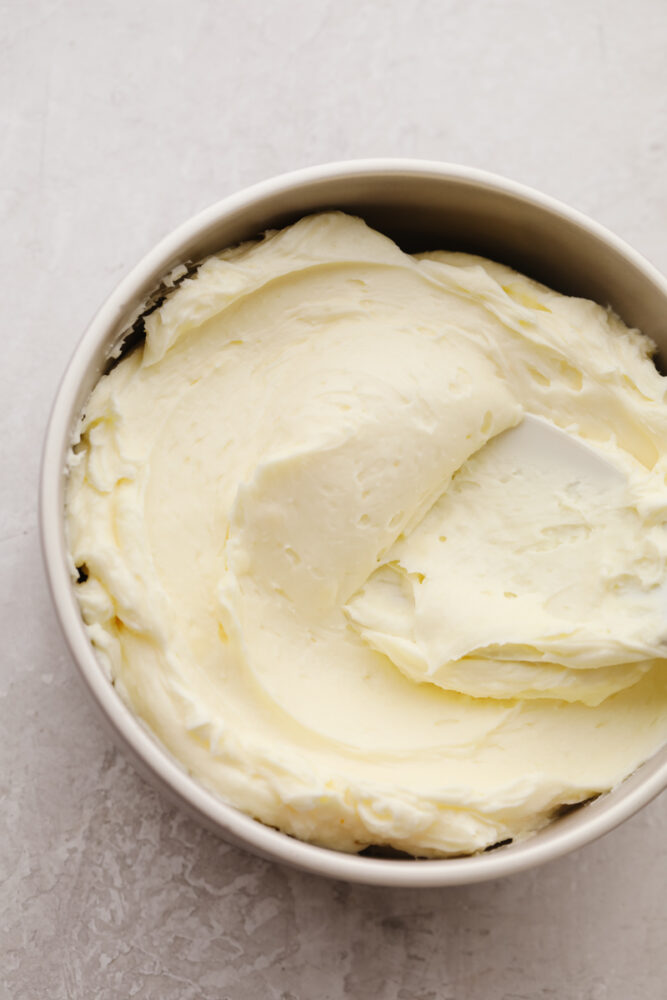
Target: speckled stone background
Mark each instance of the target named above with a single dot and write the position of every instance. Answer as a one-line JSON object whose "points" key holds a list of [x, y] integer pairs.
{"points": [[119, 120]]}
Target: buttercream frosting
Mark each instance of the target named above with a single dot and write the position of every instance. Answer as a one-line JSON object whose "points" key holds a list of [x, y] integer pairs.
{"points": [[314, 563]]}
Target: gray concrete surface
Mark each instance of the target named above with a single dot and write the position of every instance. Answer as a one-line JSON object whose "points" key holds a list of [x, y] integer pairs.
{"points": [[119, 120]]}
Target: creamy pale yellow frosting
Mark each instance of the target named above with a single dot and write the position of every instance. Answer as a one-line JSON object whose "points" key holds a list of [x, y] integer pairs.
{"points": [[340, 595]]}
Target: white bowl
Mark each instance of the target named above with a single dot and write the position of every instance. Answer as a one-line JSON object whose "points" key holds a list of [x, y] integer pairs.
{"points": [[422, 205]]}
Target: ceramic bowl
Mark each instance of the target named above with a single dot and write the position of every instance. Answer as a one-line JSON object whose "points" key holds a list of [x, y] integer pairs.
{"points": [[421, 205]]}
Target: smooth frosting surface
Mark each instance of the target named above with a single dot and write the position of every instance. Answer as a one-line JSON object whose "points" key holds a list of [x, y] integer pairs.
{"points": [[320, 564]]}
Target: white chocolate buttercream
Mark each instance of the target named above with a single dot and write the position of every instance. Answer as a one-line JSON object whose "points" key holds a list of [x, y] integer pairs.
{"points": [[321, 572]]}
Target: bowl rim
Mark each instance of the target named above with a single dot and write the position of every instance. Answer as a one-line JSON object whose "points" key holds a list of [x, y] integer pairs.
{"points": [[153, 759]]}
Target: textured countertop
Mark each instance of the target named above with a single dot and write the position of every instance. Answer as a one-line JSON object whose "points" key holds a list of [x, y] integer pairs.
{"points": [[119, 120]]}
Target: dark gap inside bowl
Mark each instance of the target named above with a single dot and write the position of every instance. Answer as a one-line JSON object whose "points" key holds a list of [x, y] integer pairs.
{"points": [[385, 853], [135, 335], [571, 807]]}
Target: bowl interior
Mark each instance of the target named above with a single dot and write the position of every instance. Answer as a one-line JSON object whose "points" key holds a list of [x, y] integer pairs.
{"points": [[421, 206]]}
